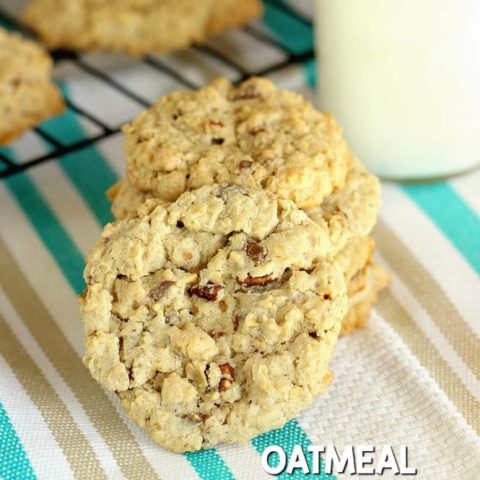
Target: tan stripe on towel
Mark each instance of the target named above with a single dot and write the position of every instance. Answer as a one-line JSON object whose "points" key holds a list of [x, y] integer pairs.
{"points": [[80, 455], [431, 296], [93, 399], [391, 310]]}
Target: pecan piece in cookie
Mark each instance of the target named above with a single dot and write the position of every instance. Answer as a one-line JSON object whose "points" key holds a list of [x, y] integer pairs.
{"points": [[228, 374], [225, 384], [247, 92], [159, 292], [216, 333], [255, 251], [256, 281], [209, 291], [223, 306], [245, 164], [227, 370], [197, 417], [215, 123]]}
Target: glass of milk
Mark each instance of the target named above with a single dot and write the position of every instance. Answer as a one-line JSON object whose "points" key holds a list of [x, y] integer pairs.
{"points": [[403, 79]]}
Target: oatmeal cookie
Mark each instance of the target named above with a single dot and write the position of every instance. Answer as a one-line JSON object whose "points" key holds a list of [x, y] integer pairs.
{"points": [[363, 294], [213, 318], [137, 27], [126, 199], [350, 212], [27, 95], [253, 135], [364, 277]]}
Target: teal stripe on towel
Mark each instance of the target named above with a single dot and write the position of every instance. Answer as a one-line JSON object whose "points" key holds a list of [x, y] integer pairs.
{"points": [[14, 463], [209, 465], [311, 72], [459, 223], [294, 35], [88, 171], [49, 228], [287, 437]]}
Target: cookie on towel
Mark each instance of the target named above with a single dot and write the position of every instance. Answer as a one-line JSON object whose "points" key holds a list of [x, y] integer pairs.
{"points": [[363, 294], [365, 279], [213, 318], [352, 211], [27, 94]]}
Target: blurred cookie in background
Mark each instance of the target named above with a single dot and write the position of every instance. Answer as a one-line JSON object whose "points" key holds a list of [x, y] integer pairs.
{"points": [[27, 94], [136, 27]]}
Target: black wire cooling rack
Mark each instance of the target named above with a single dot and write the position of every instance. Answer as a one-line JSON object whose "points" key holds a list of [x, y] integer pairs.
{"points": [[57, 149]]}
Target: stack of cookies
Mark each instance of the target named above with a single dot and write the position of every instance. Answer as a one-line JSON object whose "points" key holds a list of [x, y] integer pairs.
{"points": [[240, 253], [257, 136]]}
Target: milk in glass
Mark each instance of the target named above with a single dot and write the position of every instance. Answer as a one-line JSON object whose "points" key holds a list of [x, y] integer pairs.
{"points": [[403, 79]]}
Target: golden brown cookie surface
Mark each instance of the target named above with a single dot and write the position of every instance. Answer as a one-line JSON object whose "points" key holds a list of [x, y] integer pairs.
{"points": [[214, 317], [254, 135]]}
